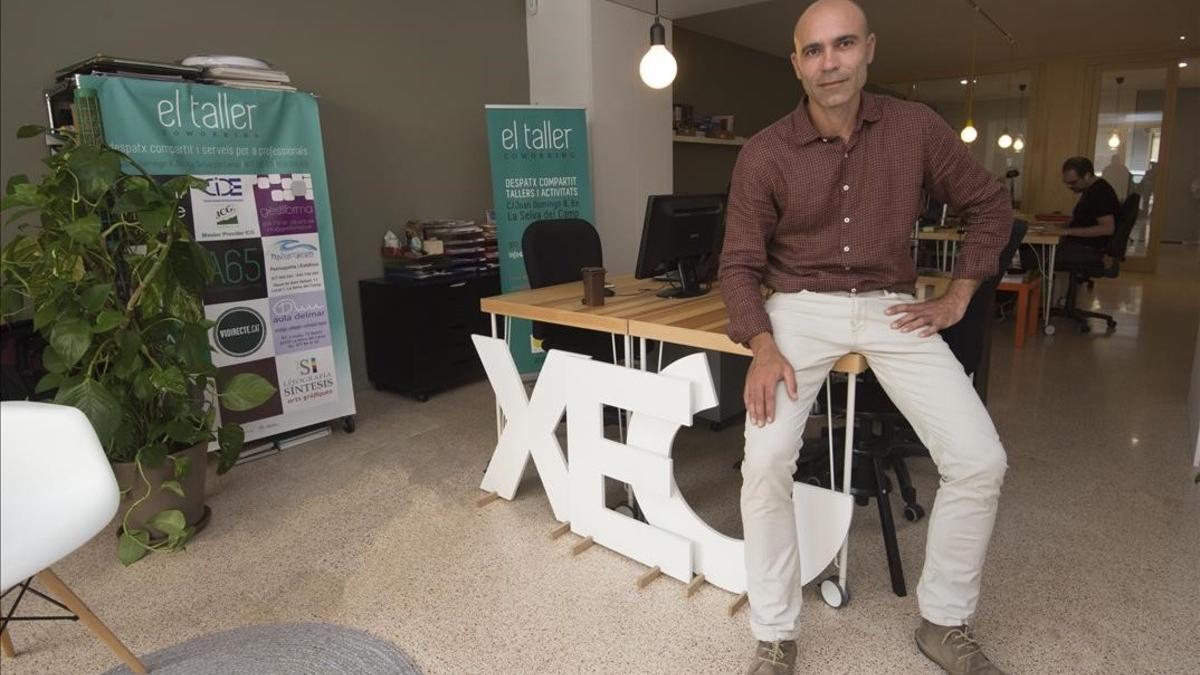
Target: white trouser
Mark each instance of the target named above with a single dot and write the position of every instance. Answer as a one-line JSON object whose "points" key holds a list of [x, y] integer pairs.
{"points": [[928, 385]]}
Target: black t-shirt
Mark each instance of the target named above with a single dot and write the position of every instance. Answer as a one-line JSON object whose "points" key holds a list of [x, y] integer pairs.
{"points": [[1098, 199]]}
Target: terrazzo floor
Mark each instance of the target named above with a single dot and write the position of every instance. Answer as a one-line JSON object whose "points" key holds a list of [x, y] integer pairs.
{"points": [[1094, 566]]}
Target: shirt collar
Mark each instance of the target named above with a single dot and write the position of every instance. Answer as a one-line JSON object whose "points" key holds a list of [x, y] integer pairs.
{"points": [[869, 110]]}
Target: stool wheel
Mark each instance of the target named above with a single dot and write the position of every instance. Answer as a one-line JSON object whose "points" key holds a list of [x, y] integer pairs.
{"points": [[913, 512]]}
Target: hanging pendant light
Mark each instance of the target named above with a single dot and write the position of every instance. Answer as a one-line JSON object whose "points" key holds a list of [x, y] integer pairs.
{"points": [[969, 133], [1018, 144], [658, 67], [1114, 141]]}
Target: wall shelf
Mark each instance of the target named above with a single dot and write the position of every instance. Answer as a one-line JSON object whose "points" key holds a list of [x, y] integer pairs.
{"points": [[704, 140]]}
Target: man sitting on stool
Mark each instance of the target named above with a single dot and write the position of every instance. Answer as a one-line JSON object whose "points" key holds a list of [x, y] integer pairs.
{"points": [[1092, 221]]}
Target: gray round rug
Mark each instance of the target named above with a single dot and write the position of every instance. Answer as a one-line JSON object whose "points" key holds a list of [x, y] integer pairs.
{"points": [[276, 649]]}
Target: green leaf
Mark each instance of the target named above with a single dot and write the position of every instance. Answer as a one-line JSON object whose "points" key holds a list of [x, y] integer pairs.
{"points": [[52, 361], [129, 359], [93, 298], [108, 320], [169, 379], [45, 315], [194, 349], [152, 456], [192, 269], [49, 381], [30, 130], [11, 185], [22, 194], [173, 487], [155, 220], [246, 391], [103, 409], [180, 431], [96, 168], [71, 338], [86, 230], [11, 301], [132, 546], [183, 464], [170, 521], [179, 185], [230, 438], [142, 388]]}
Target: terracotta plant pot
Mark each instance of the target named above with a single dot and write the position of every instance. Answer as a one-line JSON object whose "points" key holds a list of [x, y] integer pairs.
{"points": [[191, 503]]}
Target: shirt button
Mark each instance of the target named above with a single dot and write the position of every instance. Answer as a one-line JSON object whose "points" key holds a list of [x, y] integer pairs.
{"points": [[845, 188], [846, 220], [847, 155], [847, 268], [846, 249], [824, 140]]}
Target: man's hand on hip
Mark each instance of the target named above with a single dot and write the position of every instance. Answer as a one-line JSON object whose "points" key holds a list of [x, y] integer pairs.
{"points": [[766, 370], [932, 316]]}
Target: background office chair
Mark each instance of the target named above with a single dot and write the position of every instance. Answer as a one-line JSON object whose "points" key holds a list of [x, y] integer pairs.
{"points": [[883, 438], [1109, 266], [555, 251], [57, 491]]}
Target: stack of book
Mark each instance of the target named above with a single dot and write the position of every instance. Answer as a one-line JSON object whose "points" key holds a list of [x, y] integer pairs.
{"points": [[470, 247]]}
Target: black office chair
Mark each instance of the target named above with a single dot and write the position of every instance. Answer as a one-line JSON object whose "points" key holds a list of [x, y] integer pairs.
{"points": [[883, 438], [555, 251], [1109, 266]]}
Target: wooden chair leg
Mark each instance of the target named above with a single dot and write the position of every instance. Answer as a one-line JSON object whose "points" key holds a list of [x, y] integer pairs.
{"points": [[55, 585], [6, 644]]}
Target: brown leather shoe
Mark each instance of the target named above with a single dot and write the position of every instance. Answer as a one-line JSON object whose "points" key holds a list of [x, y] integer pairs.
{"points": [[955, 649], [774, 658]]}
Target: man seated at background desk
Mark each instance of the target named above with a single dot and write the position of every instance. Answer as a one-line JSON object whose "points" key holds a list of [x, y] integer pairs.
{"points": [[821, 211], [1092, 222]]}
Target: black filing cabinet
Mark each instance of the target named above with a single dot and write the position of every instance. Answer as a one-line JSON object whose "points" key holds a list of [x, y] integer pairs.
{"points": [[418, 336]]}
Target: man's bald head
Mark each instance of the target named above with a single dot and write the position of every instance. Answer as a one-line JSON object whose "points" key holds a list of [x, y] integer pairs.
{"points": [[822, 8], [834, 46]]}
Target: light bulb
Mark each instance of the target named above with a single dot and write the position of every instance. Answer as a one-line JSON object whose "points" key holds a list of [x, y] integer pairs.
{"points": [[658, 67], [1018, 144], [1114, 141], [1005, 141], [969, 133]]}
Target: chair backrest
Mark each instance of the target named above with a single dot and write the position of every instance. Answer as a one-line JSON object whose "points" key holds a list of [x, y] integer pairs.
{"points": [[1126, 219], [57, 489], [968, 339], [555, 250]]}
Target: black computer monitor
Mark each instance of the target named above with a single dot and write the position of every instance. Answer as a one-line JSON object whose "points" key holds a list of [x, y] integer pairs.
{"points": [[682, 238]]}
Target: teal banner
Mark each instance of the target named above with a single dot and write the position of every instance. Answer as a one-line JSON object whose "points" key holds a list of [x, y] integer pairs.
{"points": [[264, 217], [540, 171]]}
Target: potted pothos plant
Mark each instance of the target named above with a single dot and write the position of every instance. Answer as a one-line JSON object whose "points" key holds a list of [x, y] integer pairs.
{"points": [[104, 261]]}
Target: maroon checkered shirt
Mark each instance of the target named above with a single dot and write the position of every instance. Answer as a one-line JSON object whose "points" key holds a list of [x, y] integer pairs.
{"points": [[821, 214]]}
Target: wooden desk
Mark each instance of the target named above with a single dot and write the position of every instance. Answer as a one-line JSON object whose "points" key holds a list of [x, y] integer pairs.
{"points": [[636, 311], [1033, 237]]}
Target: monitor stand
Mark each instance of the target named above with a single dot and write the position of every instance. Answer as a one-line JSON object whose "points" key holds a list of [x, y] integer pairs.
{"points": [[689, 284]]}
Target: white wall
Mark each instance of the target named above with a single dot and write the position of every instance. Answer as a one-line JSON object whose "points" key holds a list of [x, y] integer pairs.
{"points": [[586, 52]]}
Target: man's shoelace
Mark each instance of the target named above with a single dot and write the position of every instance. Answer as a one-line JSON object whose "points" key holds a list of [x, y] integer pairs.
{"points": [[773, 655], [964, 642]]}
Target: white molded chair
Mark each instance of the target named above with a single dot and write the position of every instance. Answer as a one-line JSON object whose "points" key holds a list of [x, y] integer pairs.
{"points": [[57, 491]]}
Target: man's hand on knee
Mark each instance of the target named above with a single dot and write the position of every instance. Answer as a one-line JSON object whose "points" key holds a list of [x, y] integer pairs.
{"points": [[766, 370]]}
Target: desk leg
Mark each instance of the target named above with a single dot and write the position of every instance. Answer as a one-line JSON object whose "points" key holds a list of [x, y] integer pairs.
{"points": [[645, 365], [1048, 280], [847, 465], [953, 254]]}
